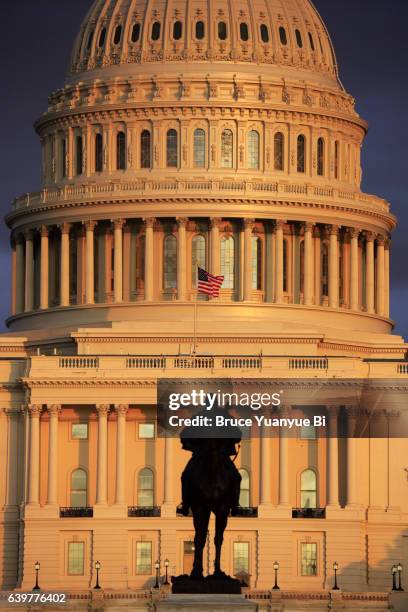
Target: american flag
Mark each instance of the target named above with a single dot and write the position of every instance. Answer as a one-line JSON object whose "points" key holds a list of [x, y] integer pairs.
{"points": [[209, 284]]}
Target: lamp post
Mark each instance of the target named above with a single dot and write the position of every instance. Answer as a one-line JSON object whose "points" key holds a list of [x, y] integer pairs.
{"points": [[394, 577], [335, 569], [276, 567], [97, 567], [166, 565], [399, 568], [37, 569], [157, 568]]}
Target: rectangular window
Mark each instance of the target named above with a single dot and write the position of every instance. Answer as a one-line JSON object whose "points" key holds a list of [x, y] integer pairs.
{"points": [[308, 559], [241, 557], [144, 558], [146, 431], [76, 558], [188, 556], [79, 431]]}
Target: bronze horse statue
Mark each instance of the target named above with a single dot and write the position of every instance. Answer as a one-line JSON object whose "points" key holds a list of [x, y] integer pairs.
{"points": [[210, 483]]}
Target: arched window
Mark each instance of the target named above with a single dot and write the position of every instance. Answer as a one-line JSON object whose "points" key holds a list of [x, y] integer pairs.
{"points": [[90, 39], [118, 35], [325, 270], [170, 262], [282, 36], [198, 258], [135, 32], [278, 151], [156, 29], [199, 148], [308, 489], [299, 40], [320, 157], [253, 150], [145, 488], [177, 30], [336, 159], [172, 149], [285, 265], [222, 30], [79, 155], [311, 41], [79, 489], [102, 38], [227, 152], [121, 151], [301, 150], [228, 261], [264, 32], [245, 490], [256, 263], [243, 31], [145, 149], [199, 30], [98, 153]]}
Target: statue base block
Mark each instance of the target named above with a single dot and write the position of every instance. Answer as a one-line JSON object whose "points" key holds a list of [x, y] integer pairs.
{"points": [[210, 585], [205, 603]]}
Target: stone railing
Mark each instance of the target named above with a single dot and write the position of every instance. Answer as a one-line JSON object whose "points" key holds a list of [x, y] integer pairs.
{"points": [[116, 189]]}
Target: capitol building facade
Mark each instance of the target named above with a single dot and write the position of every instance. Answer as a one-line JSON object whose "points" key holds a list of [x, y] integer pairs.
{"points": [[212, 134]]}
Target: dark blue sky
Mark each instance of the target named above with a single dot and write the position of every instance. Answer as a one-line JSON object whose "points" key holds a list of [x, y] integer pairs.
{"points": [[371, 42]]}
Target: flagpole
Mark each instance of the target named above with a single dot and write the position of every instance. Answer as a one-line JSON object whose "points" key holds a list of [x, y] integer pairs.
{"points": [[195, 315]]}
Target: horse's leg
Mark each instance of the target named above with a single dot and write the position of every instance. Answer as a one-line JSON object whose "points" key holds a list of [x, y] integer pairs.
{"points": [[201, 518], [221, 519]]}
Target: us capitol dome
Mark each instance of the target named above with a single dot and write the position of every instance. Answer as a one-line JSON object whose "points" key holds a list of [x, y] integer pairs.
{"points": [[218, 134]]}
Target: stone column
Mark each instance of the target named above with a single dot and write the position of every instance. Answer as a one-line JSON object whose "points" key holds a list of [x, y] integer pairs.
{"points": [[283, 463], [181, 258], [20, 274], [370, 272], [168, 507], [65, 264], [13, 278], [89, 265], [118, 261], [279, 262], [354, 277], [121, 411], [317, 266], [107, 281], [265, 469], [248, 226], [308, 265], [215, 246], [44, 272], [127, 256], [34, 455], [380, 273], [12, 452], [334, 267], [351, 458], [333, 458], [29, 271], [102, 469], [387, 278], [149, 258], [52, 491]]}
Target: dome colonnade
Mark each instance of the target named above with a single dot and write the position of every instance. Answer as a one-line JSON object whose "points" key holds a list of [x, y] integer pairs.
{"points": [[155, 259]]}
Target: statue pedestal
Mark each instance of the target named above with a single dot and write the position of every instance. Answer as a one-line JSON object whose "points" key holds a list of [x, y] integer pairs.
{"points": [[205, 603]]}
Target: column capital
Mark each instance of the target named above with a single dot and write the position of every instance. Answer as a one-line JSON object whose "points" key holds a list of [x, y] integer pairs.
{"points": [[182, 221], [279, 223], [354, 232], [65, 228], [149, 221], [11, 412], [90, 225], [29, 234], [369, 236], [215, 222], [18, 237], [334, 230], [54, 409], [34, 410], [121, 409], [44, 231], [309, 226], [118, 223], [381, 239], [248, 223], [102, 409], [333, 411]]}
